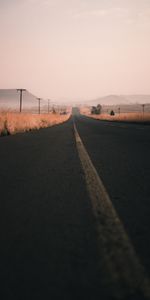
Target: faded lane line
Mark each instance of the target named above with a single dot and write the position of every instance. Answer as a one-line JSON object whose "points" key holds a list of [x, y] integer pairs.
{"points": [[124, 275]]}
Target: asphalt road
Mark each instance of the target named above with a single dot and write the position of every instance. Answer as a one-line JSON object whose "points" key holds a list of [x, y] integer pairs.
{"points": [[121, 154], [48, 231]]}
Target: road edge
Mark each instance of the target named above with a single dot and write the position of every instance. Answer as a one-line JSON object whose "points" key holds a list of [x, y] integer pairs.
{"points": [[125, 276]]}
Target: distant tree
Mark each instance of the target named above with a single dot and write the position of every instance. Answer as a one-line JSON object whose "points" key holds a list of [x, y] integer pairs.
{"points": [[96, 109], [93, 110], [112, 113], [99, 109]]}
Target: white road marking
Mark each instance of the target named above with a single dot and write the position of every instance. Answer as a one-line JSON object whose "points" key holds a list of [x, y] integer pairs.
{"points": [[124, 275]]}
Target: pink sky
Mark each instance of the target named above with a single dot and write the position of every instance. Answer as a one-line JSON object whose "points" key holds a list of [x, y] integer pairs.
{"points": [[75, 48]]}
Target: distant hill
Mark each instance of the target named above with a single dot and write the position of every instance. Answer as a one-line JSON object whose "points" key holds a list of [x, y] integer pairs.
{"points": [[9, 98], [121, 100]]}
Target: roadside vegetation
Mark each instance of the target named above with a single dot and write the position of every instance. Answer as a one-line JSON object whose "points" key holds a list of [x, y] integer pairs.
{"points": [[138, 117], [96, 110], [13, 122]]}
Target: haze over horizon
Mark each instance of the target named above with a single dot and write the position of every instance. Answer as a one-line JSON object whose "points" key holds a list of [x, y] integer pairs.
{"points": [[75, 49]]}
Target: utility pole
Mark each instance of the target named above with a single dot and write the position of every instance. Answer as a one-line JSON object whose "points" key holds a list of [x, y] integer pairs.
{"points": [[39, 99], [21, 91], [143, 107], [48, 104]]}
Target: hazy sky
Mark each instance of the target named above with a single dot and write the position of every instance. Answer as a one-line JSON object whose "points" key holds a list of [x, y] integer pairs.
{"points": [[75, 48]]}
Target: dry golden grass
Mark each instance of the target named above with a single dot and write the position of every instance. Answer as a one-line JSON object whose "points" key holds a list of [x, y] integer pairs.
{"points": [[11, 122], [125, 117]]}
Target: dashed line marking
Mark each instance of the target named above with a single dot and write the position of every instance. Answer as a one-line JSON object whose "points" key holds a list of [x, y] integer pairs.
{"points": [[124, 275]]}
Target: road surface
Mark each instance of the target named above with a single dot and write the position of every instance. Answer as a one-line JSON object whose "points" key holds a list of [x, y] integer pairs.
{"points": [[49, 238]]}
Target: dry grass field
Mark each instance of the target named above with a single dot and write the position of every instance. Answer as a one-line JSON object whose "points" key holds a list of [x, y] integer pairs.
{"points": [[124, 117], [11, 122]]}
